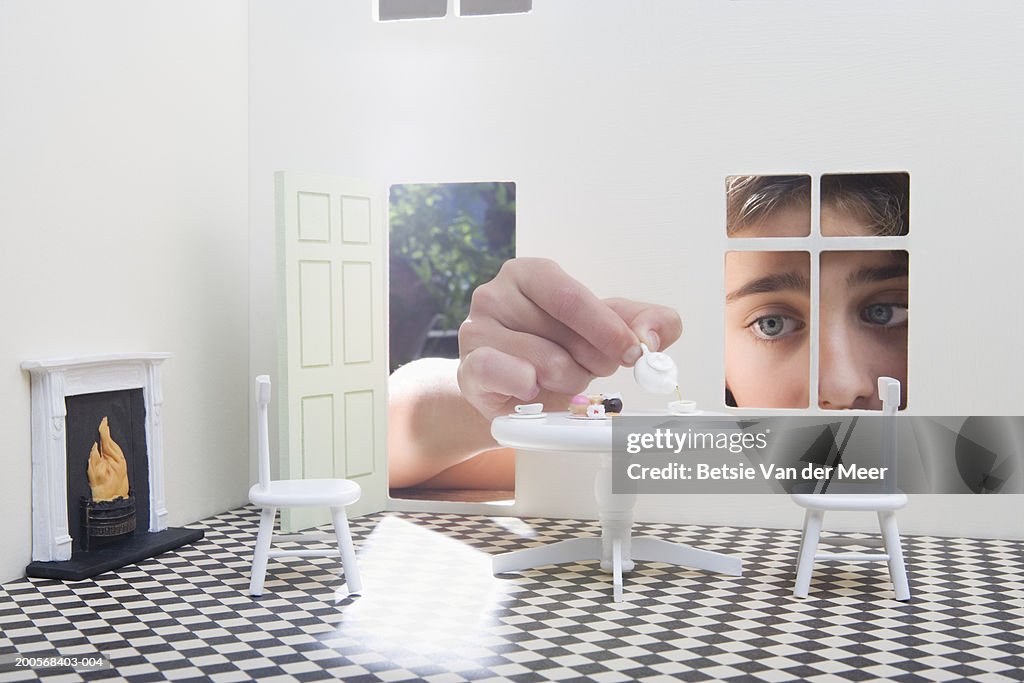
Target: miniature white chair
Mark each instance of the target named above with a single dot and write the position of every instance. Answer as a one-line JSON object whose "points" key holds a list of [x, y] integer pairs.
{"points": [[845, 497], [271, 495]]}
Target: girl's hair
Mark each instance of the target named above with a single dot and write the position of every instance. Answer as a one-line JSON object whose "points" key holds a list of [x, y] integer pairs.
{"points": [[879, 200], [752, 198]]}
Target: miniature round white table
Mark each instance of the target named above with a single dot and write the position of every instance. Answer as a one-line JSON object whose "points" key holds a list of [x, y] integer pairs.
{"points": [[617, 548]]}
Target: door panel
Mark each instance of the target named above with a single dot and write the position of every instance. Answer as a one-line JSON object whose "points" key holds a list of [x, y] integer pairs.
{"points": [[359, 441], [316, 327], [357, 279]]}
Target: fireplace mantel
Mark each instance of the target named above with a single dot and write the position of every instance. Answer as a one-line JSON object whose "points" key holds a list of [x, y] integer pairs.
{"points": [[53, 380]]}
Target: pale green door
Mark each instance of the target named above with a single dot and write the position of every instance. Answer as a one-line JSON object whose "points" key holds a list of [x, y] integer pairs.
{"points": [[332, 385]]}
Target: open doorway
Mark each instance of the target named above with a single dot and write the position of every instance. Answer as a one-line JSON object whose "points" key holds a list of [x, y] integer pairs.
{"points": [[446, 239]]}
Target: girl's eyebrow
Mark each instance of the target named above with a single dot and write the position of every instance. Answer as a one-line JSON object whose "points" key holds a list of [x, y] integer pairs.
{"points": [[867, 275], [776, 282]]}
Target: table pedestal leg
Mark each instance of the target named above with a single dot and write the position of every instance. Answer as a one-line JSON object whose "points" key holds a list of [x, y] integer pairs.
{"points": [[615, 511], [656, 550], [573, 550], [616, 549], [617, 570]]}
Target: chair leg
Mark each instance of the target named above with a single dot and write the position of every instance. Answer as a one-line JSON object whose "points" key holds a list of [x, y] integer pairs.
{"points": [[348, 551], [261, 553], [893, 547], [808, 549]]}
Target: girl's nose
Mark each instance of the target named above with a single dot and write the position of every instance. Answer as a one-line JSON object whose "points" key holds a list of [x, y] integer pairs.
{"points": [[844, 378]]}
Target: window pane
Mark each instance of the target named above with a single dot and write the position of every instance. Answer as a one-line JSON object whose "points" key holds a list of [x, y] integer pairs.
{"points": [[768, 206], [863, 328], [767, 329], [865, 204], [478, 7], [390, 10]]}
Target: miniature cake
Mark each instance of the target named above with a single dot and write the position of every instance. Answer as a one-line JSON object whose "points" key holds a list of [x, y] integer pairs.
{"points": [[586, 405], [578, 405], [612, 404]]}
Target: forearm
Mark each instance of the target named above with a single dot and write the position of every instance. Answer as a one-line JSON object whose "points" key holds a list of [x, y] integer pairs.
{"points": [[430, 425]]}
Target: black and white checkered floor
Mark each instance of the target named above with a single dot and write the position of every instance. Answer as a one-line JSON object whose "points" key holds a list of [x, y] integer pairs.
{"points": [[432, 611]]}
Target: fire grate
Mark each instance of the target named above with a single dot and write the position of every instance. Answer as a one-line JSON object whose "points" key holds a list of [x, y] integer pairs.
{"points": [[106, 519]]}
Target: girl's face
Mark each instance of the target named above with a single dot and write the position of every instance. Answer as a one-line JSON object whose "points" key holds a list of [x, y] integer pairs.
{"points": [[862, 336]]}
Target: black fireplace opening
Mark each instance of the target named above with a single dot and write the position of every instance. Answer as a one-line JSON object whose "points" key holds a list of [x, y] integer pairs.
{"points": [[102, 525]]}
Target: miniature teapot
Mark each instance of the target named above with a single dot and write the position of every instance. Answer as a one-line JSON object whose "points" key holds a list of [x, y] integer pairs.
{"points": [[655, 372]]}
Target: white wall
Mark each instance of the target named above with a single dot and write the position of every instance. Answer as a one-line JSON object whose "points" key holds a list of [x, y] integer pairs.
{"points": [[623, 119], [123, 132]]}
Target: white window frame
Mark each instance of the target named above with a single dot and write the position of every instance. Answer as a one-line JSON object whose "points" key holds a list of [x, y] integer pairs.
{"points": [[814, 244]]}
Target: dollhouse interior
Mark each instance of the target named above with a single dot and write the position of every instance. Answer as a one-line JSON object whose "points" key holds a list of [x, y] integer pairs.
{"points": [[193, 194]]}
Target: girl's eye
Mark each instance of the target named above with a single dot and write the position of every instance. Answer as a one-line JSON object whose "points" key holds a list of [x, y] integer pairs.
{"points": [[885, 315], [774, 327]]}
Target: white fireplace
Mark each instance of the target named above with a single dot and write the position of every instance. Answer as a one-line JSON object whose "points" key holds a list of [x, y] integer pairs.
{"points": [[55, 379]]}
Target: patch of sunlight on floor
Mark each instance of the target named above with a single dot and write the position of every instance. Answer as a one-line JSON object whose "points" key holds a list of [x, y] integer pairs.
{"points": [[515, 526], [422, 590]]}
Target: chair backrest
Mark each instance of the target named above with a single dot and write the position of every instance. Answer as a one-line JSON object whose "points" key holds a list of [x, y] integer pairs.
{"points": [[262, 428], [889, 392]]}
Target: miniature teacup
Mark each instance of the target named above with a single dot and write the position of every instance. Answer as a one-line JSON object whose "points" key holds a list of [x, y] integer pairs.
{"points": [[682, 407]]}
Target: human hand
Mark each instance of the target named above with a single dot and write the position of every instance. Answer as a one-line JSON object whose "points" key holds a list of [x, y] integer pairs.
{"points": [[535, 334]]}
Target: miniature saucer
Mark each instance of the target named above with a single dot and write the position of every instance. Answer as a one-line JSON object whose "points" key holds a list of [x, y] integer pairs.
{"points": [[589, 419], [527, 416]]}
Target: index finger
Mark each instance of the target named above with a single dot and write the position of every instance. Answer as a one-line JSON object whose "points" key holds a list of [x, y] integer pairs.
{"points": [[576, 307], [659, 326]]}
